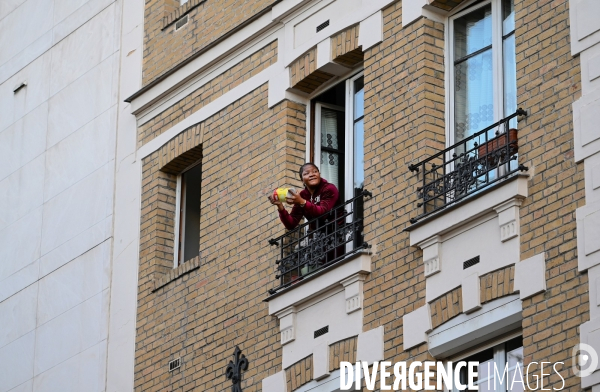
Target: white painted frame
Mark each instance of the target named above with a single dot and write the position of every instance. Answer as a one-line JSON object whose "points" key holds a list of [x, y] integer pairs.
{"points": [[499, 355], [317, 142], [497, 63], [348, 110], [349, 149], [178, 200]]}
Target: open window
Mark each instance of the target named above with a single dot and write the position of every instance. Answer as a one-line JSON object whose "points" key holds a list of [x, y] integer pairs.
{"points": [[338, 147], [187, 222]]}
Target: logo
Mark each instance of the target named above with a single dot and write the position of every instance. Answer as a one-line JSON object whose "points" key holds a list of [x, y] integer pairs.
{"points": [[585, 360]]}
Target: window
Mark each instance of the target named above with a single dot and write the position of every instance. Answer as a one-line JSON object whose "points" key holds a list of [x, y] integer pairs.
{"points": [[339, 135], [499, 362], [483, 87], [187, 223]]}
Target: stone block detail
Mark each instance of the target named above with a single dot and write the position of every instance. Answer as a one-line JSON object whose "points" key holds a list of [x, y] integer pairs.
{"points": [[446, 307], [345, 49], [299, 373], [344, 350], [304, 74], [497, 284]]}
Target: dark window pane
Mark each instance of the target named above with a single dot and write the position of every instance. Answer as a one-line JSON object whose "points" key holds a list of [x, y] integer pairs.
{"points": [[191, 220]]}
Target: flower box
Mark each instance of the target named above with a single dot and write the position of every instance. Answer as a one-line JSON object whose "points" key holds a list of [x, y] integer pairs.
{"points": [[498, 143]]}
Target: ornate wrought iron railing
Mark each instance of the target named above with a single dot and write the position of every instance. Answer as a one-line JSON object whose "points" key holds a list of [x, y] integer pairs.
{"points": [[467, 167], [320, 242]]}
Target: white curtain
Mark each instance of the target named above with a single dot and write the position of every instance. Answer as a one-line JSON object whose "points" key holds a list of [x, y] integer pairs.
{"points": [[330, 162]]}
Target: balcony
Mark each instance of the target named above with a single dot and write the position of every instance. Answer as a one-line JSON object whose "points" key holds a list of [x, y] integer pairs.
{"points": [[321, 243], [467, 167]]}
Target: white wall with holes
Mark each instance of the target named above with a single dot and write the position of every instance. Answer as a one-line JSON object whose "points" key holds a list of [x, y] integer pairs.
{"points": [[66, 145]]}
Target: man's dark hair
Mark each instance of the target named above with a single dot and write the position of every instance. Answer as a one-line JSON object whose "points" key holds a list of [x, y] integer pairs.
{"points": [[307, 164]]}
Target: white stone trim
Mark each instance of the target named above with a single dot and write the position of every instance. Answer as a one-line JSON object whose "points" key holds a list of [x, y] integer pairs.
{"points": [[493, 319], [588, 232], [205, 112], [590, 335], [530, 276], [416, 325], [215, 60], [369, 347], [275, 383], [508, 219], [321, 361], [371, 31], [287, 324], [432, 255], [353, 291], [320, 284], [469, 210], [586, 116], [336, 25], [583, 14], [471, 294], [414, 9]]}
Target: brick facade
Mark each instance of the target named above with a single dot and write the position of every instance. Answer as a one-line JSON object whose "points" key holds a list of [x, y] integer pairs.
{"points": [[247, 149], [344, 350], [207, 93], [299, 373], [209, 21], [189, 315], [548, 82]]}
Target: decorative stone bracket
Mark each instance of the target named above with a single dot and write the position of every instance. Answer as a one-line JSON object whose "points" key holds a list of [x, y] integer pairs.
{"points": [[287, 324], [432, 255], [508, 219], [353, 290]]}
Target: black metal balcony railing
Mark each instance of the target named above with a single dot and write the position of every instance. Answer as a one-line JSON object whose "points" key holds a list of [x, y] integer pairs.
{"points": [[467, 167], [320, 242]]}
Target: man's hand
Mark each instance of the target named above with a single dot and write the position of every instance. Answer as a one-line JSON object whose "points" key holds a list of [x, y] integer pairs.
{"points": [[296, 199]]}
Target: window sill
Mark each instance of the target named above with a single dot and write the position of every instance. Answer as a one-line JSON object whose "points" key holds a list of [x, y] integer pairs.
{"points": [[469, 209], [176, 273], [321, 282]]}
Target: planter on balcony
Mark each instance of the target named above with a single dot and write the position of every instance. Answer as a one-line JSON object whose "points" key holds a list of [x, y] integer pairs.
{"points": [[498, 143]]}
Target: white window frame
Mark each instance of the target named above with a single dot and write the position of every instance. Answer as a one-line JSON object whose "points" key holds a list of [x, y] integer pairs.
{"points": [[180, 220], [348, 110], [497, 62], [499, 354]]}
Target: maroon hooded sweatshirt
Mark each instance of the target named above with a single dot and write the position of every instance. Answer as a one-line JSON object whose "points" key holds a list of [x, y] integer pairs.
{"points": [[323, 200]]}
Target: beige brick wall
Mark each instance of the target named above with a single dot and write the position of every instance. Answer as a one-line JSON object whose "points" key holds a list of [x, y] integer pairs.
{"points": [[404, 122], [548, 82], [344, 350], [209, 21], [299, 373], [345, 49], [203, 313], [497, 284], [446, 307], [304, 74], [234, 76], [200, 315]]}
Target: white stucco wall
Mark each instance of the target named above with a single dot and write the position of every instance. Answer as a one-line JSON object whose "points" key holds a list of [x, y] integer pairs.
{"points": [[68, 246]]}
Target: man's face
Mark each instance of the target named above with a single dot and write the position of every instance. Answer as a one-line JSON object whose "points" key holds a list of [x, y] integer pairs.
{"points": [[311, 176]]}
